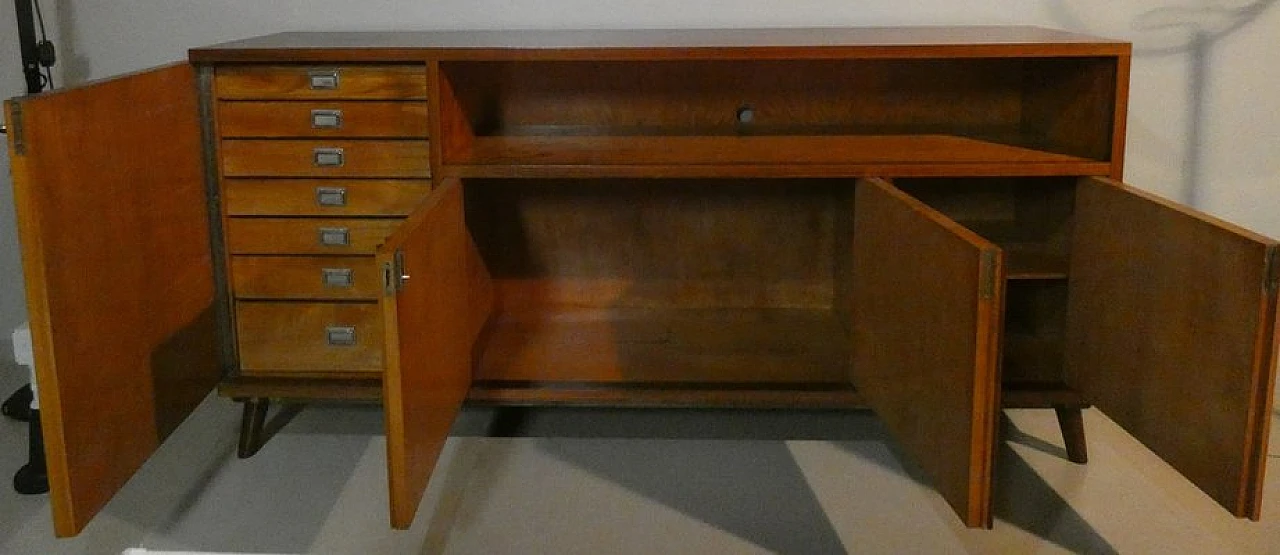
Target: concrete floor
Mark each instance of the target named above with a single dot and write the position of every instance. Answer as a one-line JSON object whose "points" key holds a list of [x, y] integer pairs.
{"points": [[710, 482]]}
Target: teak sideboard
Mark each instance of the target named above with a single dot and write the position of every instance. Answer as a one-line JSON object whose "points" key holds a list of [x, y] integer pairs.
{"points": [[926, 222]]}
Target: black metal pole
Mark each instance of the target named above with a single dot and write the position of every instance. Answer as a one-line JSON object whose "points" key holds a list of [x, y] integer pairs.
{"points": [[30, 48], [33, 477]]}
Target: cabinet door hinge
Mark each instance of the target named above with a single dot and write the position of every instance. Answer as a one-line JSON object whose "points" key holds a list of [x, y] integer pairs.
{"points": [[393, 276], [1272, 285], [16, 129], [987, 278]]}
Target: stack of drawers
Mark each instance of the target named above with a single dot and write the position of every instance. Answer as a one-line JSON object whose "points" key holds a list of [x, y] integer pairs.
{"points": [[318, 166]]}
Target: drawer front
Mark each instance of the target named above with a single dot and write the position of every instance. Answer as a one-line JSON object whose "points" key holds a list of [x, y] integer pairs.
{"points": [[307, 235], [309, 337], [305, 277], [323, 119], [314, 197], [367, 82], [331, 158]]}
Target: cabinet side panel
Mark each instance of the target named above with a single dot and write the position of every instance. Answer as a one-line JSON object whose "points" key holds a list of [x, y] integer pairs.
{"points": [[1170, 332], [115, 241]]}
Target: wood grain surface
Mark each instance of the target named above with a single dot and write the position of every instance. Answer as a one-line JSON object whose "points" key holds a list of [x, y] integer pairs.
{"points": [[117, 260], [926, 350], [1172, 334], [432, 325]]}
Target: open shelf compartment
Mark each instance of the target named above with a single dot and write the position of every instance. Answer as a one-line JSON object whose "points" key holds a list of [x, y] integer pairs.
{"points": [[1046, 112]]}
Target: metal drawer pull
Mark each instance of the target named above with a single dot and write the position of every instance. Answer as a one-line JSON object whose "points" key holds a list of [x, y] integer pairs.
{"points": [[335, 236], [327, 157], [338, 278], [340, 336], [331, 196], [323, 79], [326, 119]]}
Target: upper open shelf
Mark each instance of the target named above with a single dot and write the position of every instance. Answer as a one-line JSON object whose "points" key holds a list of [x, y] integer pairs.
{"points": [[975, 116]]}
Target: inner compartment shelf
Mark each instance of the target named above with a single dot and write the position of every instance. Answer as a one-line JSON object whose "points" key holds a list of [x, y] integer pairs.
{"points": [[737, 347], [1028, 218]]}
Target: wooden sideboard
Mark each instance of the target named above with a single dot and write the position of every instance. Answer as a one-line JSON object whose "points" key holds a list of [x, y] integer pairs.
{"points": [[925, 222]]}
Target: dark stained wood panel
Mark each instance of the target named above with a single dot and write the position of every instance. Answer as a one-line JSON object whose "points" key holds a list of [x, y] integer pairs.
{"points": [[847, 150], [926, 350], [116, 253], [867, 42], [624, 346], [431, 326], [1172, 333]]}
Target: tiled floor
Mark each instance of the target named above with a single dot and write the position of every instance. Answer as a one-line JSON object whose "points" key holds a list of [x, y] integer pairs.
{"points": [[714, 482]]}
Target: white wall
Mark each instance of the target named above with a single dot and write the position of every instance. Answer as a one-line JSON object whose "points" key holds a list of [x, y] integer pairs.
{"points": [[1238, 161]]}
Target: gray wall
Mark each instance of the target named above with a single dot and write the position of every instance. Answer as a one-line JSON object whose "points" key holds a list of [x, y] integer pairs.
{"points": [[1202, 122]]}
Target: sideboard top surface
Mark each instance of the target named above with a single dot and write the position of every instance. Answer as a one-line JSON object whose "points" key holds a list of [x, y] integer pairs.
{"points": [[871, 42]]}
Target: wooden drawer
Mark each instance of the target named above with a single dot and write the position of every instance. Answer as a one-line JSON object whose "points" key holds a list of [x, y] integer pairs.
{"points": [[306, 277], [309, 337], [325, 158], [323, 119], [365, 82], [307, 235], [328, 197]]}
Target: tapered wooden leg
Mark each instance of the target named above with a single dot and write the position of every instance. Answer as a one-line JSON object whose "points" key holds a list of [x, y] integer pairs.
{"points": [[251, 426], [1071, 422]]}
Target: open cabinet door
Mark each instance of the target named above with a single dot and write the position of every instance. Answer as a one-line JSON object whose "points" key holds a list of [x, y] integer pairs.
{"points": [[926, 309], [1171, 332], [114, 226], [439, 296]]}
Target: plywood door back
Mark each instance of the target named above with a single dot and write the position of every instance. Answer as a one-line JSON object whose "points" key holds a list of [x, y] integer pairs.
{"points": [[1172, 333], [926, 307], [115, 244]]}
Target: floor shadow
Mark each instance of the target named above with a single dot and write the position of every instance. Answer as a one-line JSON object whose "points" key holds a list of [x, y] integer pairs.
{"points": [[276, 501], [1022, 498], [1010, 432], [751, 489]]}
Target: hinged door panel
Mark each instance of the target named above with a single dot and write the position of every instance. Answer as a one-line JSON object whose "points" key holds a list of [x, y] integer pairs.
{"points": [[114, 225], [439, 296], [926, 304], [1172, 333]]}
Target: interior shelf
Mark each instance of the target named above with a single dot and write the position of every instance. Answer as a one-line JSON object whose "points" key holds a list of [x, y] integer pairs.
{"points": [[781, 150], [666, 346]]}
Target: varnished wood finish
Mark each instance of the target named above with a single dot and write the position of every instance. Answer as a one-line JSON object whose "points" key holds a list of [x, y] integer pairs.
{"points": [[1172, 334], [783, 43], [657, 243], [302, 277], [913, 332], [1071, 422], [297, 197], [774, 396], [369, 120], [291, 387], [296, 158], [847, 151], [709, 346], [283, 337], [367, 82], [294, 236], [116, 255], [432, 325]]}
